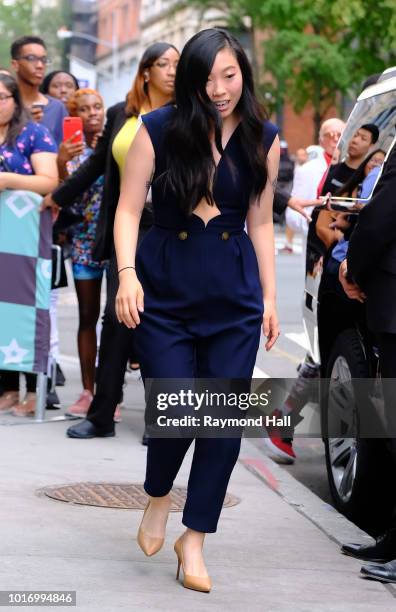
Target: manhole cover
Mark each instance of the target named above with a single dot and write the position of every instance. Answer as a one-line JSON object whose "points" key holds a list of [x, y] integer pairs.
{"points": [[110, 495]]}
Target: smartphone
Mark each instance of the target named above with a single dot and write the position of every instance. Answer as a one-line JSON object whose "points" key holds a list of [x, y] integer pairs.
{"points": [[71, 125]]}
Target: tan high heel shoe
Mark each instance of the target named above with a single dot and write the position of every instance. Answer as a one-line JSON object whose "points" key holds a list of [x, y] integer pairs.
{"points": [[196, 583], [149, 544]]}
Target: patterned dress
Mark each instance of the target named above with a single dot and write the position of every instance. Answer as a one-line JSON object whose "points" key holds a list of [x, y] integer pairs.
{"points": [[88, 206]]}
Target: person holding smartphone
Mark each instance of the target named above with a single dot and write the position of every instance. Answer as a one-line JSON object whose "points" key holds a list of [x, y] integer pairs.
{"points": [[29, 60], [81, 130], [152, 88]]}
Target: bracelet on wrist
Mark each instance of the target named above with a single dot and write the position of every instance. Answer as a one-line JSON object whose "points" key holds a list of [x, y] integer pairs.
{"points": [[126, 268]]}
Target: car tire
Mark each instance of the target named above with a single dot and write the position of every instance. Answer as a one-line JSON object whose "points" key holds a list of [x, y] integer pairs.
{"points": [[359, 470]]}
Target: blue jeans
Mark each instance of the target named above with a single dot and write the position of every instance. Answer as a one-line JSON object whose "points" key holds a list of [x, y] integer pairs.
{"points": [[83, 272]]}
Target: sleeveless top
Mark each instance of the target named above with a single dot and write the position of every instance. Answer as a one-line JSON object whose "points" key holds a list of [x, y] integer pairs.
{"points": [[124, 139], [232, 183]]}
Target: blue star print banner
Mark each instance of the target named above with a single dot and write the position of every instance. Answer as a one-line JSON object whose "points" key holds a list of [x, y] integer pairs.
{"points": [[25, 282]]}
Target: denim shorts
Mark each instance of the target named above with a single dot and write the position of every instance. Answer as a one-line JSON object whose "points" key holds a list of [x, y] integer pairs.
{"points": [[82, 272]]}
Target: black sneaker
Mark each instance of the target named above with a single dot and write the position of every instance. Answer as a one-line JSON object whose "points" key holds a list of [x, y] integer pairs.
{"points": [[60, 377], [53, 401]]}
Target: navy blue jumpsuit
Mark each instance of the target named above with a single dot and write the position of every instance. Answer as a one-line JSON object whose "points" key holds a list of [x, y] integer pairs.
{"points": [[203, 309]]}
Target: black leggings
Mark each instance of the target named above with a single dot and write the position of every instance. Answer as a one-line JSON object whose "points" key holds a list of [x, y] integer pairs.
{"points": [[10, 381]]}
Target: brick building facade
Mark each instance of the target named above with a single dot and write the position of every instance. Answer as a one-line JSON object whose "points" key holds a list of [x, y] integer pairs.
{"points": [[135, 24], [118, 24]]}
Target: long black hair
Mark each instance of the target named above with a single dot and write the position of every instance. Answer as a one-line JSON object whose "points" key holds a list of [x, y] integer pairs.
{"points": [[357, 177], [191, 166], [20, 116]]}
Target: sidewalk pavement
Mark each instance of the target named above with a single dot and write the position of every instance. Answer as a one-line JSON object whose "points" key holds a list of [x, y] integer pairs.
{"points": [[277, 550]]}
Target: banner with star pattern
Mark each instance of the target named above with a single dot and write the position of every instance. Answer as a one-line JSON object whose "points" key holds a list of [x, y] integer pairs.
{"points": [[25, 282]]}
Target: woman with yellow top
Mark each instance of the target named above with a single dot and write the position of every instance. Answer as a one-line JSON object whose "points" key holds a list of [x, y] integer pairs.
{"points": [[153, 87]]}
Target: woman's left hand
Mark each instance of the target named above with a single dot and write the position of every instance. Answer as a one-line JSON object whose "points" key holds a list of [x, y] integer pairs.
{"points": [[270, 324], [48, 202]]}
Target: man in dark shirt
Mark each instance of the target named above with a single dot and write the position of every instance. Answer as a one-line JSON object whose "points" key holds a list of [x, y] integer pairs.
{"points": [[29, 60], [358, 148], [361, 142]]}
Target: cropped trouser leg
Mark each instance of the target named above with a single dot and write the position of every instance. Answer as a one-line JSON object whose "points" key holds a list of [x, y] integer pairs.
{"points": [[230, 355], [165, 351], [211, 468], [171, 353]]}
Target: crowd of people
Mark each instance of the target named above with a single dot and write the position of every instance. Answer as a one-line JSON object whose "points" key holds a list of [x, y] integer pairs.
{"points": [[320, 177], [88, 167], [178, 171]]}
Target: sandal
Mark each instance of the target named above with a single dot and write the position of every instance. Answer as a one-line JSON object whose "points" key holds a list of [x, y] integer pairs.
{"points": [[27, 407], [8, 401]]}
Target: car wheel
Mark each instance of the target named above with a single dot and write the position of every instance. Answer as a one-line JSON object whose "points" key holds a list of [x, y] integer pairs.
{"points": [[359, 470]]}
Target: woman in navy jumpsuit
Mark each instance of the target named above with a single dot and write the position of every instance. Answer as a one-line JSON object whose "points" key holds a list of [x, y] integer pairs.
{"points": [[196, 295]]}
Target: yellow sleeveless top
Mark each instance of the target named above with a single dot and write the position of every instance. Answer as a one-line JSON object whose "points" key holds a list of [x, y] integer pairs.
{"points": [[124, 139]]}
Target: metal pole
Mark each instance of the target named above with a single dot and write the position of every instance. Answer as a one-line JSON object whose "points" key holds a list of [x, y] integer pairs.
{"points": [[41, 394]]}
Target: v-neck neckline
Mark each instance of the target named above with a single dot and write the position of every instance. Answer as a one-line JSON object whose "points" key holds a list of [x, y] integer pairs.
{"points": [[226, 146], [215, 177]]}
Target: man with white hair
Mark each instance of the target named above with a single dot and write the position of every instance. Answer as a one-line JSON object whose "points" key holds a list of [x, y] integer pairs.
{"points": [[308, 182]]}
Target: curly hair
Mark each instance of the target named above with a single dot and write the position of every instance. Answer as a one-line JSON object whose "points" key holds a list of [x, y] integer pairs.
{"points": [[72, 101]]}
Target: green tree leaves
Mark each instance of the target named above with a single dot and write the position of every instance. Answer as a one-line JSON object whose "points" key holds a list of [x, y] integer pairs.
{"points": [[15, 20], [317, 50]]}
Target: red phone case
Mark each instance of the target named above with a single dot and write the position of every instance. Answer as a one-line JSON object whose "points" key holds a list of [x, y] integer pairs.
{"points": [[71, 125]]}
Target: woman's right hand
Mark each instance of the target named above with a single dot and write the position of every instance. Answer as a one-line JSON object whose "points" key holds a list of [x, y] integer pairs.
{"points": [[129, 299], [69, 149]]}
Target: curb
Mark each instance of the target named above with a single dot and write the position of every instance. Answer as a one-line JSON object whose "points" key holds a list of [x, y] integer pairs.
{"points": [[326, 518]]}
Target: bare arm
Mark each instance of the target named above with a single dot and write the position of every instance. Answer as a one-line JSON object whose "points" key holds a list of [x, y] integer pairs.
{"points": [[299, 205], [44, 179], [323, 230], [261, 232], [138, 171]]}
